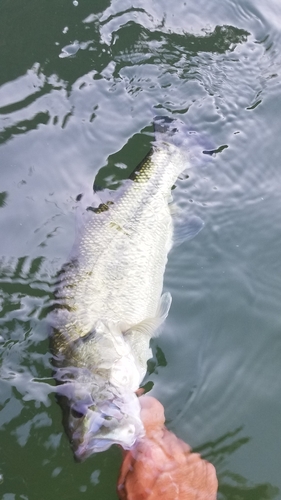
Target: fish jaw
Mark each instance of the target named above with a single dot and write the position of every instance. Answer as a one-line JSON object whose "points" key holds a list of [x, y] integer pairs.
{"points": [[95, 420], [99, 431]]}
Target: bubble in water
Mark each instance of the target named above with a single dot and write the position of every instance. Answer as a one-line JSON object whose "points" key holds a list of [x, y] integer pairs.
{"points": [[75, 2], [95, 477], [56, 471], [69, 50]]}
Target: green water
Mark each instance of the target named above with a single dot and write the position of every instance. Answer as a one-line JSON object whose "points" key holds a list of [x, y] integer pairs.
{"points": [[79, 85]]}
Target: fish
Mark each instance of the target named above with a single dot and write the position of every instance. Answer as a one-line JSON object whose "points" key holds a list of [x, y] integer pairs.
{"points": [[109, 301]]}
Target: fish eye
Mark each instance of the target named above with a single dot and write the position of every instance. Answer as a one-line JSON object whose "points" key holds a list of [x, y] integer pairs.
{"points": [[76, 414]]}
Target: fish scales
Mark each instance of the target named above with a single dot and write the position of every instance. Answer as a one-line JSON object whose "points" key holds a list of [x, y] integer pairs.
{"points": [[122, 254]]}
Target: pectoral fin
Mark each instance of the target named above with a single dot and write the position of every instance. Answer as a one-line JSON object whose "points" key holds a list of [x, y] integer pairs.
{"points": [[138, 336], [185, 228], [149, 326]]}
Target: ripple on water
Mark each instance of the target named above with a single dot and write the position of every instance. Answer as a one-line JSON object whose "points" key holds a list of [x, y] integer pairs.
{"points": [[84, 98]]}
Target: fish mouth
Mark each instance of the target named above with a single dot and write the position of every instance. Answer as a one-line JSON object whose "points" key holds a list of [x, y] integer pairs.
{"points": [[98, 414], [102, 426], [99, 443]]}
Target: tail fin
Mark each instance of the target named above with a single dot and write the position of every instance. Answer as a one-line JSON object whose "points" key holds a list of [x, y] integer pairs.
{"points": [[174, 131], [164, 125]]}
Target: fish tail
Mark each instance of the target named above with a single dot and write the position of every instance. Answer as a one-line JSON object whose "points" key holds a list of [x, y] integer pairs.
{"points": [[196, 148]]}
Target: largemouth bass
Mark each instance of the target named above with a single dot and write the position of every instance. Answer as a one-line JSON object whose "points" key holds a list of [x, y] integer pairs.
{"points": [[109, 301]]}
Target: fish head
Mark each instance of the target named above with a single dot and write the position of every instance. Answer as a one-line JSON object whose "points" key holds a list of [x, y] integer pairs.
{"points": [[114, 422], [96, 420], [98, 378]]}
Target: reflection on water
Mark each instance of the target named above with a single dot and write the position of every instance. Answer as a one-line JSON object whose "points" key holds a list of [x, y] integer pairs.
{"points": [[231, 485], [236, 486], [79, 85], [172, 55], [25, 299]]}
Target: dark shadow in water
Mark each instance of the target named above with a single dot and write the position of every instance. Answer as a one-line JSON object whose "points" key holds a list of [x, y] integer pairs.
{"points": [[25, 295], [23, 278], [34, 38], [24, 126], [234, 486], [112, 175], [171, 46], [34, 33], [158, 360], [3, 199]]}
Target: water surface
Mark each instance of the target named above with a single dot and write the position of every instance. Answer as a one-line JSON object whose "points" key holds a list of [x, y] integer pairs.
{"points": [[80, 83]]}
